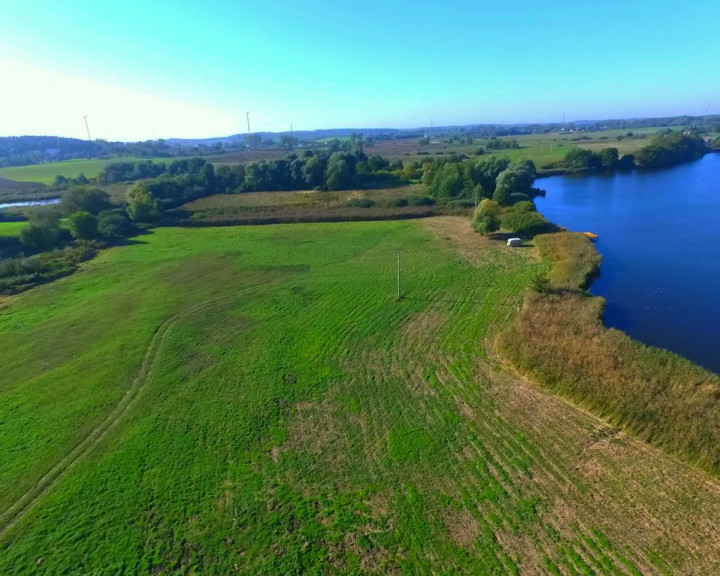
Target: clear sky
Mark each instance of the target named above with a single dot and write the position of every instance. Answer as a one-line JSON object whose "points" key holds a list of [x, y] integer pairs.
{"points": [[192, 68]]}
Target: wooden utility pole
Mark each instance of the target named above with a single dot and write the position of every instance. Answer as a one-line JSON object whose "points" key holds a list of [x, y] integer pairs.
{"points": [[399, 295]]}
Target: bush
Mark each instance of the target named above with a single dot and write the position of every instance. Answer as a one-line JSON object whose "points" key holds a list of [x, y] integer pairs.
{"points": [[43, 232], [540, 283], [524, 206], [85, 199], [420, 201], [516, 197], [83, 225], [485, 225], [360, 202], [526, 224], [113, 224], [463, 203]]}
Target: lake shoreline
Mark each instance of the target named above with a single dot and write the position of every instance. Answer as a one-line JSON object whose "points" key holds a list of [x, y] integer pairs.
{"points": [[661, 250], [559, 340]]}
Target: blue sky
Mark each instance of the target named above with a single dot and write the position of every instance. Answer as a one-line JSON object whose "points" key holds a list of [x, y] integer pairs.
{"points": [[168, 68]]}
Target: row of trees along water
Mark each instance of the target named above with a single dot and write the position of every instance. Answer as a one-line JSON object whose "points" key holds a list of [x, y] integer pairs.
{"points": [[667, 149]]}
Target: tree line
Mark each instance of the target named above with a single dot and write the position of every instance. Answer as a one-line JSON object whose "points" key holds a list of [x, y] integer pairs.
{"points": [[22, 150], [457, 177], [664, 151]]}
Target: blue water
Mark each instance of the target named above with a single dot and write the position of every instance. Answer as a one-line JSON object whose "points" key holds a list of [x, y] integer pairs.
{"points": [[31, 203], [660, 241]]}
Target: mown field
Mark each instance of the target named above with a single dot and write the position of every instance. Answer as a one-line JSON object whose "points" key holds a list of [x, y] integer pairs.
{"points": [[254, 400]]}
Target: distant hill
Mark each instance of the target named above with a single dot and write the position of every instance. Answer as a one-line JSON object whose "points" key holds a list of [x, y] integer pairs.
{"points": [[23, 150], [300, 134]]}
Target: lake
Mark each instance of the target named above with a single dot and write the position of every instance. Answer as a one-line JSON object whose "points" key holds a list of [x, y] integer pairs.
{"points": [[660, 241]]}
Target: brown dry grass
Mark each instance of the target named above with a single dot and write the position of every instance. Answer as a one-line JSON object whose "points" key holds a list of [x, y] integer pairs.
{"points": [[590, 477], [559, 340]]}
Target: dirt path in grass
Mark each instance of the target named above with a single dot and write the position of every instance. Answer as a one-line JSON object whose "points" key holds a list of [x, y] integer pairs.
{"points": [[16, 511]]}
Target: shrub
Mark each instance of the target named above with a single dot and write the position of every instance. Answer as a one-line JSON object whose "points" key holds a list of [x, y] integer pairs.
{"points": [[113, 224], [361, 202], [526, 223], [83, 225], [540, 283], [420, 200], [85, 199]]}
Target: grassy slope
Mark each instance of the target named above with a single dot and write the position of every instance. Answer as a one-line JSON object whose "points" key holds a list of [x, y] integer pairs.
{"points": [[45, 173], [308, 423]]}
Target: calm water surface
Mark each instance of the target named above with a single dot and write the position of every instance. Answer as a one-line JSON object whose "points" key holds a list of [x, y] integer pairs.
{"points": [[660, 241], [31, 203]]}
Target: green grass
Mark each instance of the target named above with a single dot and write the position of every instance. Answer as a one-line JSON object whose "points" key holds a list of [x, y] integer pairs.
{"points": [[543, 149], [287, 415], [11, 228], [46, 173]]}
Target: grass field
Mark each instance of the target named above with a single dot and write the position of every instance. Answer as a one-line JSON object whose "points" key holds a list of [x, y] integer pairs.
{"points": [[46, 173], [543, 149], [11, 228], [254, 400]]}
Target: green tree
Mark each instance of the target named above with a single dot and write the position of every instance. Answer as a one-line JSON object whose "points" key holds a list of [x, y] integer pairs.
{"points": [[485, 172], [42, 232], [515, 183], [526, 223], [83, 225], [85, 199], [609, 158], [341, 173], [445, 180], [411, 171], [313, 171], [141, 206], [113, 224], [487, 217], [582, 159]]}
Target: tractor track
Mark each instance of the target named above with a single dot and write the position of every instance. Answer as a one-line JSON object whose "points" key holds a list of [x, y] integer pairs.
{"points": [[17, 511]]}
